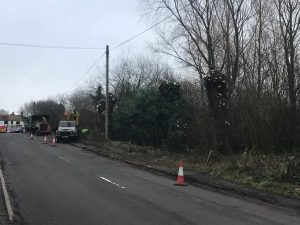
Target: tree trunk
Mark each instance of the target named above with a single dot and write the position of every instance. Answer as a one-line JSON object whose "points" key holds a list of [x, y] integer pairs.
{"points": [[217, 93], [292, 119]]}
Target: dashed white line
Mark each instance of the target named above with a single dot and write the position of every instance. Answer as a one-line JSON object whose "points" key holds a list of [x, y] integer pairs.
{"points": [[6, 198], [109, 181], [67, 161]]}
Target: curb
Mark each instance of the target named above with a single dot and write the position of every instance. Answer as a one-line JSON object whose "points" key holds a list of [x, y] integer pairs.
{"points": [[209, 182]]}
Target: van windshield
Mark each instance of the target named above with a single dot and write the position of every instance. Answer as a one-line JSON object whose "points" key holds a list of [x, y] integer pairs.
{"points": [[67, 124]]}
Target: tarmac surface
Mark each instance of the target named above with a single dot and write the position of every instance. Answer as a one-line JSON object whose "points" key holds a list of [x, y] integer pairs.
{"points": [[63, 184]]}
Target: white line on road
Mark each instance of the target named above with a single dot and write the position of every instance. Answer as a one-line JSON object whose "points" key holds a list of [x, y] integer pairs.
{"points": [[67, 161], [6, 198], [109, 181]]}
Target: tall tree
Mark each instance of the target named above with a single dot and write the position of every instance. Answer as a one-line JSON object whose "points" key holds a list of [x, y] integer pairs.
{"points": [[201, 38], [289, 23], [48, 107]]}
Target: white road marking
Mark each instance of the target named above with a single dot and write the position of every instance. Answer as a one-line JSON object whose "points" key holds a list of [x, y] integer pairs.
{"points": [[67, 161], [109, 181], [6, 198]]}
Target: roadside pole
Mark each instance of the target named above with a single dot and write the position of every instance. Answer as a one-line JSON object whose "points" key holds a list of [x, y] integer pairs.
{"points": [[107, 93]]}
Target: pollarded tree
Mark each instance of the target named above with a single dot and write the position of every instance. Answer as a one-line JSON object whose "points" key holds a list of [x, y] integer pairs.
{"points": [[207, 35]]}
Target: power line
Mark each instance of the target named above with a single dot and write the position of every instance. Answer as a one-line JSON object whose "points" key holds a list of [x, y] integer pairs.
{"points": [[141, 33], [119, 45], [85, 73], [124, 42], [150, 28], [25, 45], [86, 48], [48, 46]]}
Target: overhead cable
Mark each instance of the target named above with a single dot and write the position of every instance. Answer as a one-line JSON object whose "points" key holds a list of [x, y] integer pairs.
{"points": [[85, 73], [49, 46]]}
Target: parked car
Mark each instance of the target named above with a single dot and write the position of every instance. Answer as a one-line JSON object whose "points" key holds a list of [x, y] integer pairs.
{"points": [[20, 129], [66, 130], [15, 129], [11, 129]]}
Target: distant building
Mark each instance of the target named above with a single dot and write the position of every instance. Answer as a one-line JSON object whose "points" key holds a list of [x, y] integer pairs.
{"points": [[12, 119]]}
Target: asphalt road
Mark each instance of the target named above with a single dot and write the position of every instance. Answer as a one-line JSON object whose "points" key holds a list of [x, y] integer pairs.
{"points": [[68, 186]]}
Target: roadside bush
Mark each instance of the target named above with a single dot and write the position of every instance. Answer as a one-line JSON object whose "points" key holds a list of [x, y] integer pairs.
{"points": [[176, 141], [135, 119], [153, 116]]}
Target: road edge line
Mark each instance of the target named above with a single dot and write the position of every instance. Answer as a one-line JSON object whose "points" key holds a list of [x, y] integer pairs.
{"points": [[6, 198], [251, 193]]}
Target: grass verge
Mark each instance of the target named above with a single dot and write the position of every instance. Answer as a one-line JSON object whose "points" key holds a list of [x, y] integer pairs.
{"points": [[264, 172]]}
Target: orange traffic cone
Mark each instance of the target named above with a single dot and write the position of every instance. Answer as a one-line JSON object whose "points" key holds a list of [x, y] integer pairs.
{"points": [[31, 137], [53, 143], [45, 140], [180, 178]]}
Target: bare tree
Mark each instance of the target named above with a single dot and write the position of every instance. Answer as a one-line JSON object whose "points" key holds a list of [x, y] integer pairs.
{"points": [[48, 107], [95, 90], [81, 101], [27, 108], [133, 73], [3, 112], [289, 24], [207, 35]]}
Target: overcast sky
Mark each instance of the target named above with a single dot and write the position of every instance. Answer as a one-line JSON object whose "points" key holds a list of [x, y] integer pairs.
{"points": [[32, 73]]}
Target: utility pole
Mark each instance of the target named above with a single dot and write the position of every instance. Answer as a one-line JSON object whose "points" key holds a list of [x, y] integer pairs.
{"points": [[107, 93], [33, 108]]}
